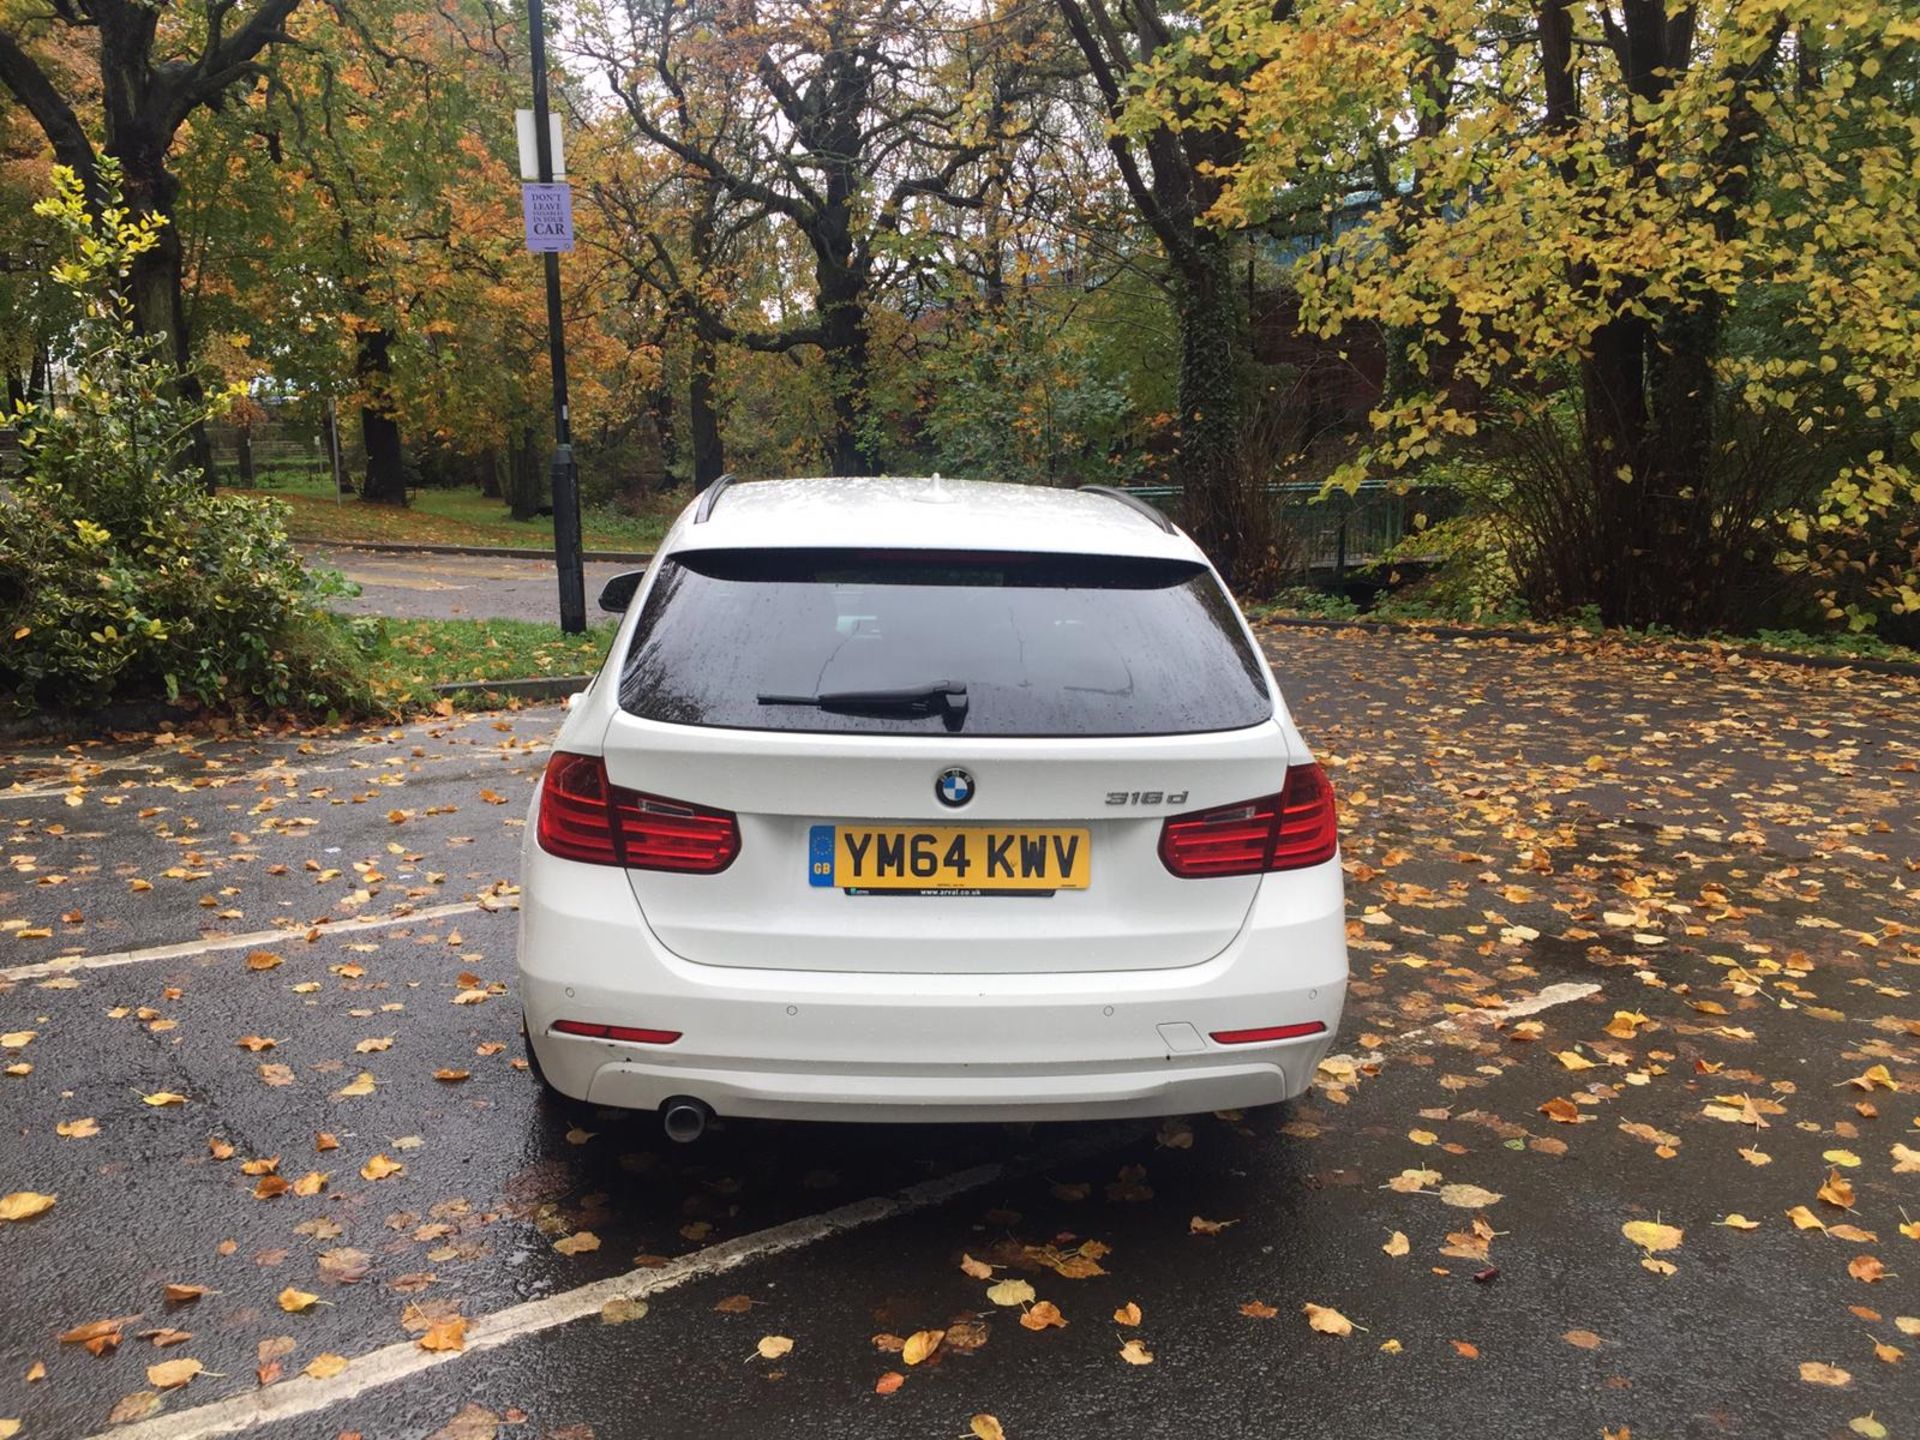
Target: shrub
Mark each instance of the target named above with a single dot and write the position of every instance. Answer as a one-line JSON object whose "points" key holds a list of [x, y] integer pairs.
{"points": [[120, 578]]}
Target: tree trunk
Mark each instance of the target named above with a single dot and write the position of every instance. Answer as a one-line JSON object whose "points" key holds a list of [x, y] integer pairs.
{"points": [[703, 415], [847, 355], [489, 467], [243, 453], [386, 482], [526, 476], [1214, 349], [154, 283]]}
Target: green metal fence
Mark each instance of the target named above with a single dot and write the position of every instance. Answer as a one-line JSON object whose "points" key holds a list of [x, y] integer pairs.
{"points": [[1338, 532]]}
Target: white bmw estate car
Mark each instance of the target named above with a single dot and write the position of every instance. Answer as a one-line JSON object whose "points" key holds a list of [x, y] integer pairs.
{"points": [[920, 799]]}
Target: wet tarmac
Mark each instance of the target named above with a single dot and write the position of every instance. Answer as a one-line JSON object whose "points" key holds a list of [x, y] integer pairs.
{"points": [[1701, 873]]}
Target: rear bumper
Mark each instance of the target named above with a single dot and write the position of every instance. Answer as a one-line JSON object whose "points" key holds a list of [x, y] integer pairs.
{"points": [[825, 1045]]}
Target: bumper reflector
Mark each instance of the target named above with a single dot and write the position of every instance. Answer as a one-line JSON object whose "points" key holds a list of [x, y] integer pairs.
{"points": [[615, 1032], [1270, 1032]]}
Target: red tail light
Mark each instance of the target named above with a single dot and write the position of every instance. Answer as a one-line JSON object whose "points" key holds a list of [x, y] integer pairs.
{"points": [[1270, 1032], [585, 816], [1288, 831], [627, 1033]]}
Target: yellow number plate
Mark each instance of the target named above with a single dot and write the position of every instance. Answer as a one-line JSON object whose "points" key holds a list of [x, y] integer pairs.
{"points": [[948, 858]]}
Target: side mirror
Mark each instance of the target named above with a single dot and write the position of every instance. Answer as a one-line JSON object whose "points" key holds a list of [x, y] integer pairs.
{"points": [[618, 594]]}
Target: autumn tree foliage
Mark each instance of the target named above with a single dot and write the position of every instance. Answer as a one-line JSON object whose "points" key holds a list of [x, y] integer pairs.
{"points": [[1651, 265], [154, 66], [359, 215], [851, 127]]}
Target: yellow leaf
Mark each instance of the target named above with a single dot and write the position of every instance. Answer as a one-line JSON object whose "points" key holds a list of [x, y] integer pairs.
{"points": [[380, 1167], [1011, 1292], [622, 1309], [1258, 1310], [1737, 1221], [1042, 1315], [1127, 1314], [1327, 1320], [1396, 1245], [17, 1039], [1625, 1023], [986, 1427], [1574, 1061], [1818, 1372], [263, 960], [1652, 1236], [1805, 1219], [1199, 1225], [171, 1374], [361, 1084], [367, 1046], [578, 1244], [1838, 1191], [81, 1129], [452, 1077], [772, 1347], [1468, 1197], [311, 1183], [25, 1204], [447, 1334], [326, 1365], [921, 1344], [1135, 1353], [1874, 1077], [294, 1301], [183, 1294], [977, 1269], [1866, 1268], [164, 1097]]}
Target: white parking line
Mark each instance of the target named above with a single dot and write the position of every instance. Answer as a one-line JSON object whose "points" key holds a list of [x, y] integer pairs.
{"points": [[189, 948], [1564, 993], [391, 1363]]}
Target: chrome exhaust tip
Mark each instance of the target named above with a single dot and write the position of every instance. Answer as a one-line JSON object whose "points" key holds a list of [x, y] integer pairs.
{"points": [[685, 1118]]}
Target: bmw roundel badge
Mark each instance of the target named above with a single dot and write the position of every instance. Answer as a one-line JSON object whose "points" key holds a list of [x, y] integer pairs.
{"points": [[954, 787]]}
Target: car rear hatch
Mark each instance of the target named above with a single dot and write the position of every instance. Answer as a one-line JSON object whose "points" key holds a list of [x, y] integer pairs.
{"points": [[1085, 700]]}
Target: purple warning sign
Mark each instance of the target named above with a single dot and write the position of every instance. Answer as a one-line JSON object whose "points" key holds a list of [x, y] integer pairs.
{"points": [[548, 210]]}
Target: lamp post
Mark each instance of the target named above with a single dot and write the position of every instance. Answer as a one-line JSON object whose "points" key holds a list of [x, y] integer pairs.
{"points": [[566, 487]]}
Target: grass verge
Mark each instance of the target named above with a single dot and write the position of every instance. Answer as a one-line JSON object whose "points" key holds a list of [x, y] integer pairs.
{"points": [[453, 517], [405, 659], [1793, 642]]}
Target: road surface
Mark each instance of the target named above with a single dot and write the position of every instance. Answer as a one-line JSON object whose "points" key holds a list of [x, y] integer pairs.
{"points": [[1634, 968]]}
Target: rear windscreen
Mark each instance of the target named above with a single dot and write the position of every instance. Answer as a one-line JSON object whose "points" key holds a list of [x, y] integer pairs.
{"points": [[1000, 644]]}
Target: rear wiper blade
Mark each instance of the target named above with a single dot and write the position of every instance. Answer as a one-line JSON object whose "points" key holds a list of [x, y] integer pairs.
{"points": [[941, 697]]}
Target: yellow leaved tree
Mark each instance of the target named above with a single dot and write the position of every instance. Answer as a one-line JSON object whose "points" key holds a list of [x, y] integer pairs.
{"points": [[1649, 275]]}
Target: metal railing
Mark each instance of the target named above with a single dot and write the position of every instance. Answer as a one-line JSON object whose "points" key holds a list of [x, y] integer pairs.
{"points": [[1338, 532]]}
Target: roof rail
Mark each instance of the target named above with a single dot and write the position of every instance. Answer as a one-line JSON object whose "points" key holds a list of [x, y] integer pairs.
{"points": [[1132, 502], [710, 497]]}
